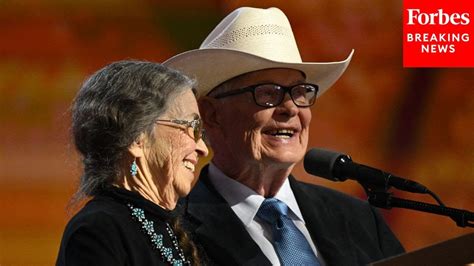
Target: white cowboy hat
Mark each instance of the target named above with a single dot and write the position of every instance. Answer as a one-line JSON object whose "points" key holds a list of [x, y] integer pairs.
{"points": [[251, 39]]}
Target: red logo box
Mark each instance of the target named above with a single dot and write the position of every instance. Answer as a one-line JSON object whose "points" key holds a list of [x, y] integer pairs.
{"points": [[438, 33]]}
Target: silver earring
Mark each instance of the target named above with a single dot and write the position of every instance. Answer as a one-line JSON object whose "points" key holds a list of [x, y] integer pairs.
{"points": [[134, 167]]}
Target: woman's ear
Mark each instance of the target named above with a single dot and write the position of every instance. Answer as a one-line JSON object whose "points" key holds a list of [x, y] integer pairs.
{"points": [[136, 149], [208, 109]]}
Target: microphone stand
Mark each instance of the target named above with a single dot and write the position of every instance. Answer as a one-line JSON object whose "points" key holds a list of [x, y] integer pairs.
{"points": [[379, 196]]}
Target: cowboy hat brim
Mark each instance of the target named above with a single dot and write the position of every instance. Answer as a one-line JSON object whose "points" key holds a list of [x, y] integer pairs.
{"points": [[211, 67]]}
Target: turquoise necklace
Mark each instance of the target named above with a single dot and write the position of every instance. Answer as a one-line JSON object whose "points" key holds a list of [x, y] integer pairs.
{"points": [[157, 239]]}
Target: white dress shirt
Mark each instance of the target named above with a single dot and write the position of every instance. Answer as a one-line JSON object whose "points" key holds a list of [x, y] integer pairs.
{"points": [[245, 203]]}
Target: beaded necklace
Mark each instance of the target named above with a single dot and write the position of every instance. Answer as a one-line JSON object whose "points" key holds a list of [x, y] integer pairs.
{"points": [[166, 253]]}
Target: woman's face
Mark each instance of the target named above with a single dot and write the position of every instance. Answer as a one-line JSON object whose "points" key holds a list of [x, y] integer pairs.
{"points": [[173, 154]]}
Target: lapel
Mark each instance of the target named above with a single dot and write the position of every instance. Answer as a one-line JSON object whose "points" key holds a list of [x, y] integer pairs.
{"points": [[329, 233], [217, 229]]}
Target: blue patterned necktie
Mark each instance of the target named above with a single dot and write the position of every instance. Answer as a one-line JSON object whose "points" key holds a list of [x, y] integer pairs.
{"points": [[290, 244]]}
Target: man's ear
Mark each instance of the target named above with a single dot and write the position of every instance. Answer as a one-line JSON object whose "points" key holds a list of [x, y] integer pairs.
{"points": [[208, 109], [136, 149]]}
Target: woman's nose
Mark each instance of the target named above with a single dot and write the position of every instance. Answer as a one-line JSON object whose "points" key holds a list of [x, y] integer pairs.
{"points": [[202, 148]]}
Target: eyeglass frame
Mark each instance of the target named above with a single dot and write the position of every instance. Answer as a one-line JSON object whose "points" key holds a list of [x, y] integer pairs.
{"points": [[198, 131], [286, 89]]}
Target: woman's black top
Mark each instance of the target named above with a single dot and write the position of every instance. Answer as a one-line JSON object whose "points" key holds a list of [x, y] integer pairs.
{"points": [[106, 232]]}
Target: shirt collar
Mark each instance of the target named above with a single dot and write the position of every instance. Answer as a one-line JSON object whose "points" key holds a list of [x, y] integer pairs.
{"points": [[244, 201]]}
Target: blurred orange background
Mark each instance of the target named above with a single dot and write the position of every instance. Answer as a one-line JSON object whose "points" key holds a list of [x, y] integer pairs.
{"points": [[415, 123]]}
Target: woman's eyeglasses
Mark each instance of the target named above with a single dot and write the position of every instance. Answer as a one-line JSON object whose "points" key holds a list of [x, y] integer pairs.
{"points": [[271, 95], [195, 124]]}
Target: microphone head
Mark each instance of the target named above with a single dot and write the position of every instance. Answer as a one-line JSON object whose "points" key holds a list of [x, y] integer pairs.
{"points": [[321, 162]]}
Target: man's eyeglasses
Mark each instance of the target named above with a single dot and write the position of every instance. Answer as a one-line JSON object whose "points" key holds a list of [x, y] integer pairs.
{"points": [[195, 124], [271, 95]]}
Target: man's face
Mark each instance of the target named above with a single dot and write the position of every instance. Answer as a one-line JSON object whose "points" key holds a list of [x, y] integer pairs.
{"points": [[247, 134]]}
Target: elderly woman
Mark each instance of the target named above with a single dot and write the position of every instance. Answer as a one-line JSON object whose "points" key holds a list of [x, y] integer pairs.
{"points": [[138, 130]]}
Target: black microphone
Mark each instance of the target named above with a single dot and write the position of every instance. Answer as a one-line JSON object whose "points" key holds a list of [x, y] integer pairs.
{"points": [[339, 167]]}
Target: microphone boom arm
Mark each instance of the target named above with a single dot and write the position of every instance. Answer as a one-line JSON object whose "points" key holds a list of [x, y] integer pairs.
{"points": [[384, 199]]}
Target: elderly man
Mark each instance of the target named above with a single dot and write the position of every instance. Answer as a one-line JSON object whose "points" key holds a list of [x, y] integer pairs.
{"points": [[255, 95]]}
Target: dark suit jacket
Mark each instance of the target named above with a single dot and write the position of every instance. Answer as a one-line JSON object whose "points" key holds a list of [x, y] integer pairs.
{"points": [[345, 230]]}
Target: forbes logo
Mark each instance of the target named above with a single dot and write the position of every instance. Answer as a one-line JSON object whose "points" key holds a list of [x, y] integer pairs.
{"points": [[415, 16]]}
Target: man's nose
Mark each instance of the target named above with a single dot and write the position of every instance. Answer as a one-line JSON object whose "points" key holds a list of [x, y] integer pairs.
{"points": [[287, 107]]}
